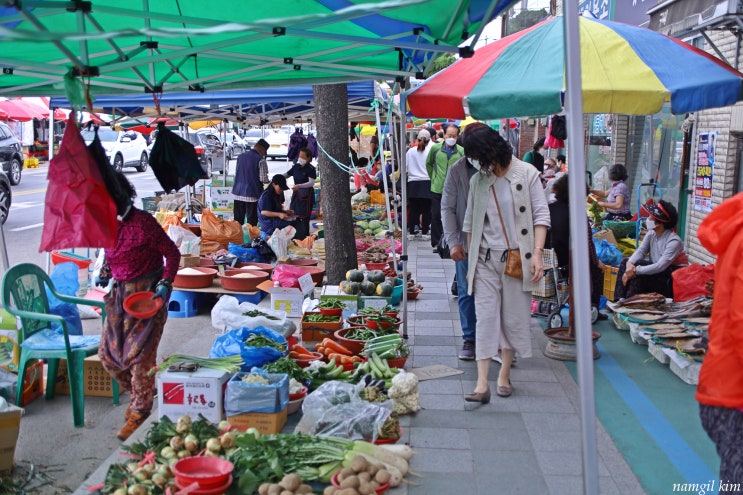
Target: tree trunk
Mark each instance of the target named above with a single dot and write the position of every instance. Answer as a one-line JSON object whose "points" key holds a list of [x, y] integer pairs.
{"points": [[332, 134]]}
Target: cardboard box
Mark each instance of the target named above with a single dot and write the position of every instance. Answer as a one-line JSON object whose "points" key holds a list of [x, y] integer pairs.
{"points": [[10, 425], [200, 392], [243, 397], [606, 234], [316, 331], [33, 384], [289, 299], [97, 381], [188, 260], [265, 423]]}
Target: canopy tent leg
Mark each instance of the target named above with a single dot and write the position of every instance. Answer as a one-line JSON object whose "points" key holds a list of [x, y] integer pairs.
{"points": [[579, 248], [4, 250], [404, 217], [390, 225]]}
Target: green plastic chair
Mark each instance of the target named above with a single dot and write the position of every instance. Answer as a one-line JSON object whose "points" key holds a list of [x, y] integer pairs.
{"points": [[23, 296]]}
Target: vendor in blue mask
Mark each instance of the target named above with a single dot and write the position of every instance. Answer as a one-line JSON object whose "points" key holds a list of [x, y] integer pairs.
{"points": [[303, 192], [661, 252]]}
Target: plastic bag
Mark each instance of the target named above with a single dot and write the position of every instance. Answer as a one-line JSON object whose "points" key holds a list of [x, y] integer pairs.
{"points": [[51, 340], [246, 254], [336, 409], [233, 343], [690, 281], [229, 314], [263, 249], [169, 220], [608, 253], [221, 231], [279, 241], [64, 279], [174, 161], [244, 397], [287, 275], [187, 241]]}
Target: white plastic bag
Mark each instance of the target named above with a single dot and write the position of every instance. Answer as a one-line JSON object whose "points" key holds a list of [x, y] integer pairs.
{"points": [[279, 241], [228, 314], [187, 241]]}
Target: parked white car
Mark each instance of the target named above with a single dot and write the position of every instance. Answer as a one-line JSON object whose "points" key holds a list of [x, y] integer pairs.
{"points": [[123, 148], [279, 145]]}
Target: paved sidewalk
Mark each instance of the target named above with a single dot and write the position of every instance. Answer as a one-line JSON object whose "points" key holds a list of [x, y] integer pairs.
{"points": [[528, 443]]}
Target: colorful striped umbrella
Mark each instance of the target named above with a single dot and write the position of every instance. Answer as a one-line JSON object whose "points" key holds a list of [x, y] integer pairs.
{"points": [[624, 69]]}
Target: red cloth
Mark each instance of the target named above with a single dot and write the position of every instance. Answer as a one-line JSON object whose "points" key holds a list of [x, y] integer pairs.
{"points": [[721, 376], [79, 212]]}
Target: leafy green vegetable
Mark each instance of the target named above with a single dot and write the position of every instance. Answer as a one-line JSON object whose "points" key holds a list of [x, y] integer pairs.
{"points": [[288, 366], [257, 340], [332, 302]]}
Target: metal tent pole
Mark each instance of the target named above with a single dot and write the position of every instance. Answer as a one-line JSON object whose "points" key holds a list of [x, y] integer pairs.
{"points": [[579, 249], [380, 150], [404, 217]]}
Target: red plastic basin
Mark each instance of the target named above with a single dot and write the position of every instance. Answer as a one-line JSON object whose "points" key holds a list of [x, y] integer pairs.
{"points": [[208, 472], [141, 305]]}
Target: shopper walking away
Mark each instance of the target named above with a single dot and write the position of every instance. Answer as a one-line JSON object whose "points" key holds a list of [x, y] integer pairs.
{"points": [[453, 208], [250, 175], [441, 157], [128, 349], [720, 389], [535, 156], [303, 195], [506, 209], [419, 186]]}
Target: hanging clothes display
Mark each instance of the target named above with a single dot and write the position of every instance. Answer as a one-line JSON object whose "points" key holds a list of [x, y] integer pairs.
{"points": [[556, 132], [79, 212], [174, 161]]}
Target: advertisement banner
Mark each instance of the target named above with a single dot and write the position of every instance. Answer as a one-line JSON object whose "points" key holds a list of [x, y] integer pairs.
{"points": [[705, 166]]}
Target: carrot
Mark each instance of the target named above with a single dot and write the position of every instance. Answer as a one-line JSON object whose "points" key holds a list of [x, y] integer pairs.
{"points": [[296, 355], [340, 358], [301, 350], [336, 347], [321, 350], [317, 346]]}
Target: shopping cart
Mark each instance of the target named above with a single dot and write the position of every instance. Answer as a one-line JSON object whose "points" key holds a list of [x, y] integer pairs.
{"points": [[555, 316]]}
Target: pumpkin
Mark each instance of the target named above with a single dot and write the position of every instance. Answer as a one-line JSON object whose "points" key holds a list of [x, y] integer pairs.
{"points": [[376, 276], [352, 288], [384, 289], [368, 288], [355, 276]]}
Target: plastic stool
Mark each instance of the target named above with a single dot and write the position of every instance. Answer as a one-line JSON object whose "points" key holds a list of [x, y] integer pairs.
{"points": [[183, 304]]}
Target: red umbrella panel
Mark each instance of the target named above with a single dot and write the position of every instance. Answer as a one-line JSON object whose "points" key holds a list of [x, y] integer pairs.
{"points": [[22, 111]]}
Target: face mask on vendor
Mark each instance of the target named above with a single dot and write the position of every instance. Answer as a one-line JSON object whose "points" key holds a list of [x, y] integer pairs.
{"points": [[302, 161], [650, 224]]}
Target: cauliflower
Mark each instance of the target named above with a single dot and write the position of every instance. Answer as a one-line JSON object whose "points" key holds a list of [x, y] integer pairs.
{"points": [[404, 393]]}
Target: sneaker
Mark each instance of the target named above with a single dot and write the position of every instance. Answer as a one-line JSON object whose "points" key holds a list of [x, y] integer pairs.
{"points": [[425, 237], [435, 250], [468, 351], [135, 421]]}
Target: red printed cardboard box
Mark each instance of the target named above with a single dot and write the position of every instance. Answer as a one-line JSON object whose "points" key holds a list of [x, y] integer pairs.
{"points": [[199, 392]]}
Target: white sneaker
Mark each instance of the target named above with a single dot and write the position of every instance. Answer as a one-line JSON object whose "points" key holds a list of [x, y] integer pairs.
{"points": [[498, 360], [426, 237]]}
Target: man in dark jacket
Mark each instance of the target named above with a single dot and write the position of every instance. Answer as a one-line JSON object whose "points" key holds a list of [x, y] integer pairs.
{"points": [[250, 175]]}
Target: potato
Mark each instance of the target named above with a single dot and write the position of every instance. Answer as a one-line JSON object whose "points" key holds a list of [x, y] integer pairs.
{"points": [[372, 470], [263, 489], [330, 490], [286, 492], [359, 464], [347, 491], [366, 488], [350, 482], [274, 489], [382, 476], [364, 477], [303, 489], [290, 482], [345, 473]]}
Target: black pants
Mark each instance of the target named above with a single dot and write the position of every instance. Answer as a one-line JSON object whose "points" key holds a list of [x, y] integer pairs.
{"points": [[419, 214], [725, 427], [245, 212], [303, 228], [437, 228], [644, 284]]}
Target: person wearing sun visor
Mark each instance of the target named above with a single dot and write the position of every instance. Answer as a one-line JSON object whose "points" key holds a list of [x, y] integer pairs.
{"points": [[661, 252]]}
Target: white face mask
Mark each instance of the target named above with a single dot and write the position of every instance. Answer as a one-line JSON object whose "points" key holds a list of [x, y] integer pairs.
{"points": [[475, 163], [450, 142], [650, 224], [302, 161]]}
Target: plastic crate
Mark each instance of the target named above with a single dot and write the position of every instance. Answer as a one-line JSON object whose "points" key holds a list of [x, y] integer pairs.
{"points": [[610, 281], [150, 203]]}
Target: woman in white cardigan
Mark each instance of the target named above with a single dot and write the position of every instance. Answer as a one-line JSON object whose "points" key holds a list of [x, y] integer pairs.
{"points": [[506, 208]]}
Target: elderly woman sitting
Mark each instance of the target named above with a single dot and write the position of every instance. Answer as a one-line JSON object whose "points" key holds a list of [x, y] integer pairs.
{"points": [[640, 275]]}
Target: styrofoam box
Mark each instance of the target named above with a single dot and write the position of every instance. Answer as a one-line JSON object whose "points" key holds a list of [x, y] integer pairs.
{"points": [[657, 352], [689, 375], [200, 392]]}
